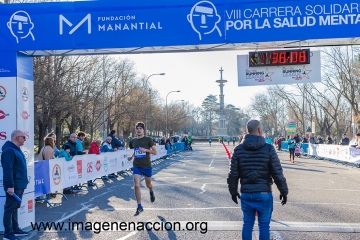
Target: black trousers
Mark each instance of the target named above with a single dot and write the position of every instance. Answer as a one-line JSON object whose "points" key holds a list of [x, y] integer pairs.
{"points": [[292, 152], [10, 212]]}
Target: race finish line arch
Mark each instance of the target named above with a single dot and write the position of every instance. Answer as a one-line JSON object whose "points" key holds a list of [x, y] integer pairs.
{"points": [[123, 27]]}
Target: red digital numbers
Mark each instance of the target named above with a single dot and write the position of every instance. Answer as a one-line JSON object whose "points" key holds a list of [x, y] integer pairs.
{"points": [[288, 57], [276, 58], [294, 57], [282, 58], [302, 57]]}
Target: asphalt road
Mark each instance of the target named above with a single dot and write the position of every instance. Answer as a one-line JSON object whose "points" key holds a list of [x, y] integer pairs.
{"points": [[323, 202]]}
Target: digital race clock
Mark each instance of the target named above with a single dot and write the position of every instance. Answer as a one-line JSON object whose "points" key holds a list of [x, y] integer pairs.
{"points": [[279, 57]]}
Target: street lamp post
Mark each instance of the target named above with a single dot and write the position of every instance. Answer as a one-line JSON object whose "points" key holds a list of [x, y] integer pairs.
{"points": [[166, 132], [150, 118]]}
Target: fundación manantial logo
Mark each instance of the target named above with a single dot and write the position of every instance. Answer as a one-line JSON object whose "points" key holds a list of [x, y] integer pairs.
{"points": [[20, 25], [64, 19], [204, 18]]}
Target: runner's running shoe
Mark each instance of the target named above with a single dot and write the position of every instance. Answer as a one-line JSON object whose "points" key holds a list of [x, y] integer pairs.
{"points": [[138, 211]]}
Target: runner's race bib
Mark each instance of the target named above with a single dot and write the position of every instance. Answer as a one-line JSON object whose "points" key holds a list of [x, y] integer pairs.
{"points": [[139, 154]]}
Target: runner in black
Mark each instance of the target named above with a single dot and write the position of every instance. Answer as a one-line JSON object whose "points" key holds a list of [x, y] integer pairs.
{"points": [[143, 147]]}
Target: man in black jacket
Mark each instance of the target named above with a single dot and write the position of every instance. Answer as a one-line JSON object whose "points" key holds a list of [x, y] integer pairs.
{"points": [[256, 164]]}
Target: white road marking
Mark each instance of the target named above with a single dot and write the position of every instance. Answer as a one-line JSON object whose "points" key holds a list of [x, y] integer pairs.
{"points": [[276, 235], [63, 218], [212, 159], [329, 189], [170, 209], [204, 185], [129, 235], [133, 233]]}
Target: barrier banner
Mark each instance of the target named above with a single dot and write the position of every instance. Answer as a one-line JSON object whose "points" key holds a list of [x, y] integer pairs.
{"points": [[62, 174], [334, 152], [70, 172], [312, 150], [56, 174], [90, 161], [355, 155], [42, 178]]}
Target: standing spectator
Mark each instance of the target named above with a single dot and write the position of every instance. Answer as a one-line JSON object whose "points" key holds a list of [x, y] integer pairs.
{"points": [[275, 140], [47, 152], [267, 139], [320, 140], [168, 144], [305, 140], [107, 146], [279, 141], [357, 142], [345, 140], [312, 139], [15, 181], [162, 141], [256, 164], [185, 141], [80, 143], [115, 143], [190, 140], [65, 153], [297, 138], [94, 149], [56, 150], [241, 138], [72, 143], [329, 140], [73, 151], [122, 142]]}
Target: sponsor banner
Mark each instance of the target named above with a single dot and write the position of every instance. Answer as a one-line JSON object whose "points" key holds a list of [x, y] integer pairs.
{"points": [[99, 24], [354, 154], [26, 212], [336, 152], [272, 75], [70, 172], [41, 179], [56, 174], [90, 161], [7, 65], [7, 107], [24, 67], [7, 116]]}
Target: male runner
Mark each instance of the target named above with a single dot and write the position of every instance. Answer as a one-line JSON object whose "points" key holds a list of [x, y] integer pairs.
{"points": [[143, 147]]}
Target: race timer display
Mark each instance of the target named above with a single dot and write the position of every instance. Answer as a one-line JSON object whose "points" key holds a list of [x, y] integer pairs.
{"points": [[279, 57]]}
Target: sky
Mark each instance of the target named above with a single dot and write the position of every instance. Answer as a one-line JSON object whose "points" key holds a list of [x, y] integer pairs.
{"points": [[194, 74]]}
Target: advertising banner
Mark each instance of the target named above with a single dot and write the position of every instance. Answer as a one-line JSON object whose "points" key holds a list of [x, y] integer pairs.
{"points": [[100, 24], [336, 152], [42, 178], [272, 75], [70, 171], [26, 213], [56, 174]]}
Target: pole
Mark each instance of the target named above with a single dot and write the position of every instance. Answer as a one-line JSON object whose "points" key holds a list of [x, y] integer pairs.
{"points": [[166, 115], [104, 100], [150, 115], [150, 118], [166, 132]]}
